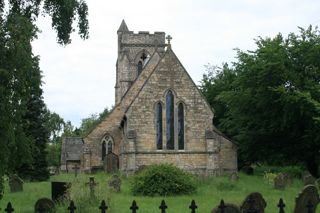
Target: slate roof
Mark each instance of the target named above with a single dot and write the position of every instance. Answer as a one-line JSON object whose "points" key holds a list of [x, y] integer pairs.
{"points": [[71, 149]]}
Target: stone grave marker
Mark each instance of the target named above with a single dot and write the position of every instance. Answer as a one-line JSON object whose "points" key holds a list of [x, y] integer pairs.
{"points": [[253, 201], [91, 185], [228, 208], [288, 178], [234, 177], [280, 181], [59, 190], [15, 183], [308, 194], [44, 205], [115, 183]]}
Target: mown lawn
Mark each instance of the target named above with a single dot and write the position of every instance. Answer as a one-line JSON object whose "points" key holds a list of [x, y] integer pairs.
{"points": [[210, 192]]}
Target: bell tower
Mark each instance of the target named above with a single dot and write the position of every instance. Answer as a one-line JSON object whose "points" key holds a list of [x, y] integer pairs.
{"points": [[134, 52]]}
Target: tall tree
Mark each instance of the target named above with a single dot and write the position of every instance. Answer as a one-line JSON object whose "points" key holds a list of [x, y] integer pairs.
{"points": [[22, 131], [272, 103]]}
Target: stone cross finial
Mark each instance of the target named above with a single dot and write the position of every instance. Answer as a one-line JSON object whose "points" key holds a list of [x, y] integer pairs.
{"points": [[169, 38]]}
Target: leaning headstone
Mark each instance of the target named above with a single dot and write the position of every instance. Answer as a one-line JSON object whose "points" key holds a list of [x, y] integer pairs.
{"points": [[234, 177], [309, 195], [59, 190], [280, 181], [229, 208], [115, 183], [44, 205], [15, 183], [254, 202]]}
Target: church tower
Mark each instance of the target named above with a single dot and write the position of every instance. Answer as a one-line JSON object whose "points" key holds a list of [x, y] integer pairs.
{"points": [[134, 51]]}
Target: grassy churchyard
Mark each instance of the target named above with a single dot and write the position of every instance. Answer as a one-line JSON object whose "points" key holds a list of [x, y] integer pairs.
{"points": [[209, 193]]}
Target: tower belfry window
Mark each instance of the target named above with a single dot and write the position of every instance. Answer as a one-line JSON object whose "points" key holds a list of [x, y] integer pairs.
{"points": [[143, 58]]}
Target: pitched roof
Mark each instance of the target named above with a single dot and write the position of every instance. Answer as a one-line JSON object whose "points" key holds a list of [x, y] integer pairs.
{"points": [[71, 149], [123, 27]]}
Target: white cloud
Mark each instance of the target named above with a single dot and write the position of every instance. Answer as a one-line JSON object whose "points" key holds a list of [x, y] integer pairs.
{"points": [[79, 78]]}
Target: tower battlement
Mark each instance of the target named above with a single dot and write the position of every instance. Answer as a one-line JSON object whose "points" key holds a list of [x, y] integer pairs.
{"points": [[134, 51]]}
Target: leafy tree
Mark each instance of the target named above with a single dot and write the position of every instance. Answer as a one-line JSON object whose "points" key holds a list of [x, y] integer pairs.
{"points": [[22, 131], [269, 100], [87, 124]]}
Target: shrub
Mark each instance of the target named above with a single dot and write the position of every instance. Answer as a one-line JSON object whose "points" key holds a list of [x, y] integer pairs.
{"points": [[162, 180]]}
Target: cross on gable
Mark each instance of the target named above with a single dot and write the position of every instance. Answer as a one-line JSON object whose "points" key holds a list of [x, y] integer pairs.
{"points": [[169, 38]]}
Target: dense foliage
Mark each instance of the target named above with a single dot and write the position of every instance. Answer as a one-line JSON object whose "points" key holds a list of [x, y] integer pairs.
{"points": [[268, 101], [23, 132], [162, 180]]}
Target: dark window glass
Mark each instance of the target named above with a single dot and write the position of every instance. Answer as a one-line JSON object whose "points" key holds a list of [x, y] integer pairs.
{"points": [[103, 150], [109, 147], [159, 125], [180, 126], [170, 120], [139, 67]]}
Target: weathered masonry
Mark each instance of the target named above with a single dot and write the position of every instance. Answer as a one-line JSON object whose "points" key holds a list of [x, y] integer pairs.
{"points": [[160, 116]]}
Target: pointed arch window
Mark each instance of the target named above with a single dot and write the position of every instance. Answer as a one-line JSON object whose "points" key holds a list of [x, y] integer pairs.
{"points": [[180, 126], [107, 146], [170, 119], [140, 65], [103, 150], [159, 125]]}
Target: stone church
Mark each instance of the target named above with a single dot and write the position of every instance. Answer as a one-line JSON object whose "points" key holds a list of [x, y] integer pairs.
{"points": [[160, 116]]}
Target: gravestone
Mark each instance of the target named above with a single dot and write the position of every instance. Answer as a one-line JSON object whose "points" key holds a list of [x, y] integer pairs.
{"points": [[59, 190], [92, 184], [115, 183], [229, 208], [111, 163], [15, 183], [234, 177], [280, 181], [288, 178], [254, 201], [308, 194], [44, 205]]}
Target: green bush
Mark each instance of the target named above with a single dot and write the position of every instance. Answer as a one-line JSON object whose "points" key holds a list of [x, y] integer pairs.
{"points": [[162, 180]]}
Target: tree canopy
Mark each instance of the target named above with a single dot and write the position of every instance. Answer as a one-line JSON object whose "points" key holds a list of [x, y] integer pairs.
{"points": [[23, 133], [268, 101]]}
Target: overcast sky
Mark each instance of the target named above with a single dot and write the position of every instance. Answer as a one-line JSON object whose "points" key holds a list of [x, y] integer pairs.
{"points": [[79, 79]]}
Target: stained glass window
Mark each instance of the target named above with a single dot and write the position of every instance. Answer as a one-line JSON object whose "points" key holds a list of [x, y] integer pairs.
{"points": [[103, 149], [170, 120], [139, 67], [159, 125], [180, 126]]}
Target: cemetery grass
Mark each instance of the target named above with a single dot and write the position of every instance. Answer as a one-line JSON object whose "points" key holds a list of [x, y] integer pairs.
{"points": [[209, 193]]}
